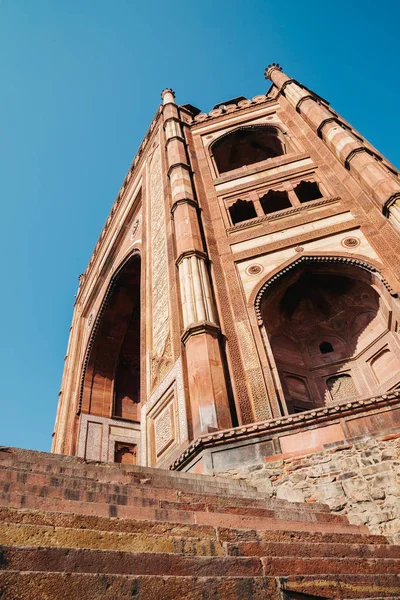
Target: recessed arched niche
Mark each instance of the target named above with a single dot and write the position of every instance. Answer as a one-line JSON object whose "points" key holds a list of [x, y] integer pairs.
{"points": [[246, 146], [112, 378], [324, 322]]}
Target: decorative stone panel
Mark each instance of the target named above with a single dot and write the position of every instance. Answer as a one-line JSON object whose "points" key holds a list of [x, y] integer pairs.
{"points": [[163, 418]]}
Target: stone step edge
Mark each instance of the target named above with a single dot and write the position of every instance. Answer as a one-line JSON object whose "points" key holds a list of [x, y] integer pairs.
{"points": [[98, 498], [139, 563], [48, 536], [22, 500], [150, 587], [156, 483], [186, 517], [134, 469], [205, 531], [258, 496], [276, 549]]}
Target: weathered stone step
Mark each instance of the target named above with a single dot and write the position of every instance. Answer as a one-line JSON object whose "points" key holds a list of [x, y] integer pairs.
{"points": [[75, 560], [60, 463], [293, 521], [271, 513], [280, 566], [346, 587], [15, 491], [313, 549], [110, 524], [14, 534], [234, 536], [84, 586], [43, 483], [78, 586], [78, 560], [107, 524], [155, 480]]}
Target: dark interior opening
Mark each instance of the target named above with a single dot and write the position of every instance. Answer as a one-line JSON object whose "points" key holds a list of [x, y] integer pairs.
{"points": [[246, 146], [325, 347], [307, 191], [274, 201], [242, 210], [112, 382]]}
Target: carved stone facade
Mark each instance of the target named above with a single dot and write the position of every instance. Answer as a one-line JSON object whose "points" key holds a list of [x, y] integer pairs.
{"points": [[246, 279]]}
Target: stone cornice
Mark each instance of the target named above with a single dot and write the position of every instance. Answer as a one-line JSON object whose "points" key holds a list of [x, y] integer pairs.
{"points": [[174, 137], [303, 99], [324, 122], [310, 417], [190, 201], [394, 198], [189, 253], [198, 329], [232, 109], [353, 153], [181, 165]]}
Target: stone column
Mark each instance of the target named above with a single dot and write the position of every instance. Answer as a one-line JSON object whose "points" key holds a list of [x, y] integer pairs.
{"points": [[206, 379], [348, 149]]}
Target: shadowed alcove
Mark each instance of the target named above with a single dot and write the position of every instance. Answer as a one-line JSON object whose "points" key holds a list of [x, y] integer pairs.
{"points": [[112, 379], [329, 329], [246, 146]]}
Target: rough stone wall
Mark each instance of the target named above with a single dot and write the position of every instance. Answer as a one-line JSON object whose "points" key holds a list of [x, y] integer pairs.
{"points": [[359, 478]]}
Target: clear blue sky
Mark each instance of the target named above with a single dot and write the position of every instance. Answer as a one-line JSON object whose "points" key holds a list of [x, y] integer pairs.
{"points": [[80, 82]]}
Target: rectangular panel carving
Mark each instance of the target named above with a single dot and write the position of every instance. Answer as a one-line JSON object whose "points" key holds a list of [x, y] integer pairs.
{"points": [[159, 267], [94, 436], [164, 428]]}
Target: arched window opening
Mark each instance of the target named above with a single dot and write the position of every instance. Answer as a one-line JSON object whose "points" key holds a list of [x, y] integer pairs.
{"points": [[242, 210], [325, 347], [246, 146], [274, 201], [307, 191]]}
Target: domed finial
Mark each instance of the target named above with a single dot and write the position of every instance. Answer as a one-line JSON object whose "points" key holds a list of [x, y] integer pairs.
{"points": [[270, 68], [167, 95]]}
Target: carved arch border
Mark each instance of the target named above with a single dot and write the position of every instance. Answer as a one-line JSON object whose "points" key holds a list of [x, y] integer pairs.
{"points": [[266, 357], [354, 260], [133, 253]]}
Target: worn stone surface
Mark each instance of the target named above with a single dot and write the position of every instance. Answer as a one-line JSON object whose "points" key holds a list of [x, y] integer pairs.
{"points": [[360, 479], [75, 529]]}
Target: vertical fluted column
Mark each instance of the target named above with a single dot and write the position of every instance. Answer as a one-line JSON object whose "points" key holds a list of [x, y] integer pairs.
{"points": [[348, 149], [207, 387]]}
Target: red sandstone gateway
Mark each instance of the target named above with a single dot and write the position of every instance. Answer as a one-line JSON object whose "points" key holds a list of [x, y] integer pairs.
{"points": [[240, 317]]}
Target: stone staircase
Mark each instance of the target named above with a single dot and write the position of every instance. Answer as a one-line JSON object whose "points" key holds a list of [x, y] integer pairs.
{"points": [[75, 530]]}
